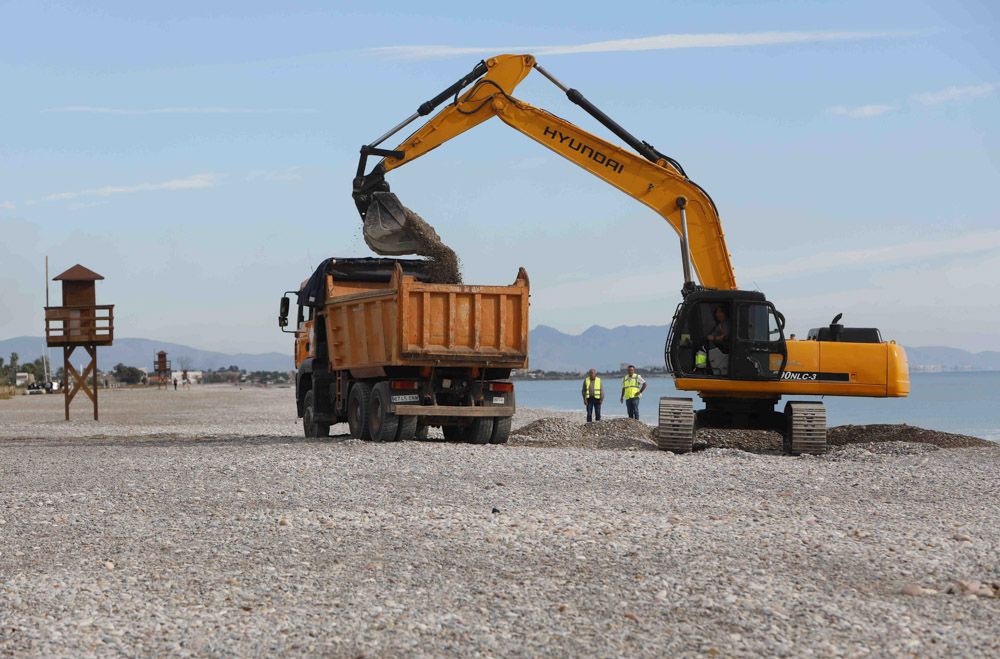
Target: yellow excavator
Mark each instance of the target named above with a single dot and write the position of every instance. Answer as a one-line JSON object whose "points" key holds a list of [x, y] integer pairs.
{"points": [[726, 344]]}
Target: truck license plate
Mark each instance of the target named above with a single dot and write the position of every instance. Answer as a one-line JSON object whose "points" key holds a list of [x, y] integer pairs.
{"points": [[406, 398], [499, 400]]}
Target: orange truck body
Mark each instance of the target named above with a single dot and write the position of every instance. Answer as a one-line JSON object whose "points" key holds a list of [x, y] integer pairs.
{"points": [[393, 354], [411, 323]]}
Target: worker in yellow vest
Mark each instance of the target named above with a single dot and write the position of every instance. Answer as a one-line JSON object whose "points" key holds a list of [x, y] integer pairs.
{"points": [[593, 396], [632, 387]]}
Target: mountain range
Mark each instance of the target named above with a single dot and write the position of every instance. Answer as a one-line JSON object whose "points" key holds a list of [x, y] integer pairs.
{"points": [[607, 349], [141, 352], [550, 350]]}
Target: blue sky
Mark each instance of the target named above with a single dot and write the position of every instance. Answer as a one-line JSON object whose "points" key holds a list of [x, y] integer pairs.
{"points": [[200, 155]]}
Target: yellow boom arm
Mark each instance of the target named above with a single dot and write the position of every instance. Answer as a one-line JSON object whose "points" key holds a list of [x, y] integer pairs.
{"points": [[659, 185]]}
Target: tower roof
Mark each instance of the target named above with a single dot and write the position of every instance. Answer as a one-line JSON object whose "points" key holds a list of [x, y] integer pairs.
{"points": [[78, 273]]}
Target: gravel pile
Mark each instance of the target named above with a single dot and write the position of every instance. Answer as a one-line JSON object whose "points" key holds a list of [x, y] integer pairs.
{"points": [[258, 541], [756, 441], [873, 451], [615, 434], [901, 433], [567, 430]]}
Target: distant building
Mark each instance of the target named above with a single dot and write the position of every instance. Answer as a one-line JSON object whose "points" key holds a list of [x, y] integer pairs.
{"points": [[23, 379], [193, 377]]}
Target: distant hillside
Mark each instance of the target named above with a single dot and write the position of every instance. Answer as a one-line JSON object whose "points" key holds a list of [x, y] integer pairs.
{"points": [[551, 350], [642, 345], [139, 353], [946, 359], [598, 347]]}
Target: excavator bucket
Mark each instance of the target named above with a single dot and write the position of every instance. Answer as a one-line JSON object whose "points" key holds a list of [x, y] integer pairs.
{"points": [[385, 228]]}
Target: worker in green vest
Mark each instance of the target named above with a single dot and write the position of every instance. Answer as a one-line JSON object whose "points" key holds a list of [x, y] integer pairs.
{"points": [[632, 387], [593, 396]]}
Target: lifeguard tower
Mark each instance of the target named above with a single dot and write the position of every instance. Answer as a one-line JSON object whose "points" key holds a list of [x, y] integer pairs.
{"points": [[79, 323], [161, 367]]}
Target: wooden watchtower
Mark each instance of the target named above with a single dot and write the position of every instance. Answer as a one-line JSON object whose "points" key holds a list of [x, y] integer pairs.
{"points": [[161, 367], [79, 323]]}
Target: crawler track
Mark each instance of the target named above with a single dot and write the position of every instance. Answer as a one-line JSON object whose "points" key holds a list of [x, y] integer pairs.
{"points": [[675, 431], [806, 428]]}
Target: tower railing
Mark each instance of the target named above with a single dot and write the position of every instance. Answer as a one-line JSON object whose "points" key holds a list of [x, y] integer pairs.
{"points": [[80, 325]]}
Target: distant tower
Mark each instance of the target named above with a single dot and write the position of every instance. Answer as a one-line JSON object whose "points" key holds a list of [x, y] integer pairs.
{"points": [[79, 323], [161, 366]]}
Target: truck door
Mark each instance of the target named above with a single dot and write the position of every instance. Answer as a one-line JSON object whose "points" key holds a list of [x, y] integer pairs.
{"points": [[759, 351]]}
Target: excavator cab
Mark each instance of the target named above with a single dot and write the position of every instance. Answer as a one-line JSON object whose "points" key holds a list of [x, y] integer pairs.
{"points": [[735, 335]]}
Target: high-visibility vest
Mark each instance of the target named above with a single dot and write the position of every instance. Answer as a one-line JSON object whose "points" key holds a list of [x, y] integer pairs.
{"points": [[597, 388], [701, 359], [630, 385]]}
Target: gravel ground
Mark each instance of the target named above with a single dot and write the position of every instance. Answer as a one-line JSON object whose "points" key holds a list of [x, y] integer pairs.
{"points": [[200, 522]]}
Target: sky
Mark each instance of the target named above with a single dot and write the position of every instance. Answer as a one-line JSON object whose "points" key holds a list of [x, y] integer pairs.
{"points": [[200, 156]]}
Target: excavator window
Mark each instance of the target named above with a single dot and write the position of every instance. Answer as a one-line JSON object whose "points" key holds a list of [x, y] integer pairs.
{"points": [[761, 345], [738, 338]]}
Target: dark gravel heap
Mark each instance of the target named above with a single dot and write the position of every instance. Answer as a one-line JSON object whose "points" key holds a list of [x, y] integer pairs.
{"points": [[617, 434], [902, 433], [629, 434], [756, 441]]}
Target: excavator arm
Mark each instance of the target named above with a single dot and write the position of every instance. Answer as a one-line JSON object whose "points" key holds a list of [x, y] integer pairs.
{"points": [[647, 175]]}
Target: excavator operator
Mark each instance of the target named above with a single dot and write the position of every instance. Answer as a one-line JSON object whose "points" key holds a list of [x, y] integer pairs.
{"points": [[718, 342]]}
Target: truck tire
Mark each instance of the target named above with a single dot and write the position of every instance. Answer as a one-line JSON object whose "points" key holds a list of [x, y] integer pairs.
{"points": [[357, 410], [501, 430], [382, 424], [480, 430], [421, 434], [407, 429], [310, 427]]}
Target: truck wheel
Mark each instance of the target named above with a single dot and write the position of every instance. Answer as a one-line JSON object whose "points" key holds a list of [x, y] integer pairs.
{"points": [[480, 430], [501, 430], [408, 429], [382, 424], [310, 427], [357, 410], [421, 433]]}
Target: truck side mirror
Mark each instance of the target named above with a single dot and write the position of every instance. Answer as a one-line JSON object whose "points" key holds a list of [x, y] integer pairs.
{"points": [[283, 313]]}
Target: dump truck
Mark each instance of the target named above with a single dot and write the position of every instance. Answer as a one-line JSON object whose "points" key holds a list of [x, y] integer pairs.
{"points": [[381, 347]]}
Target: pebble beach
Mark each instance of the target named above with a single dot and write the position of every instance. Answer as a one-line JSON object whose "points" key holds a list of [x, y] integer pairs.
{"points": [[201, 522]]}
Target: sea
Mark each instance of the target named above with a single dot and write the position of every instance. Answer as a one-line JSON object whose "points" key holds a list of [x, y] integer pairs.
{"points": [[960, 402]]}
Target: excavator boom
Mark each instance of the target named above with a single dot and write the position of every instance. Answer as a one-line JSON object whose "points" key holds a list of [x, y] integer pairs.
{"points": [[645, 174]]}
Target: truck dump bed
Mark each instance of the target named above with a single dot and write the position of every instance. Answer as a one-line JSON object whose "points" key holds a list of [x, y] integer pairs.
{"points": [[373, 322]]}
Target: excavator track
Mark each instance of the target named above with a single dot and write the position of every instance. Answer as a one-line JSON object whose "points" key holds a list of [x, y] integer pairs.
{"points": [[675, 431], [805, 430]]}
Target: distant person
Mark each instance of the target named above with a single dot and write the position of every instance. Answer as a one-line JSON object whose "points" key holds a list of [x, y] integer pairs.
{"points": [[718, 343], [632, 387], [593, 396], [175, 384], [791, 337]]}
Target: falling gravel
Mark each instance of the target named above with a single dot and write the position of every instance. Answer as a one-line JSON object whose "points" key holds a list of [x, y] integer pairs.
{"points": [[201, 522], [445, 267], [411, 235]]}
